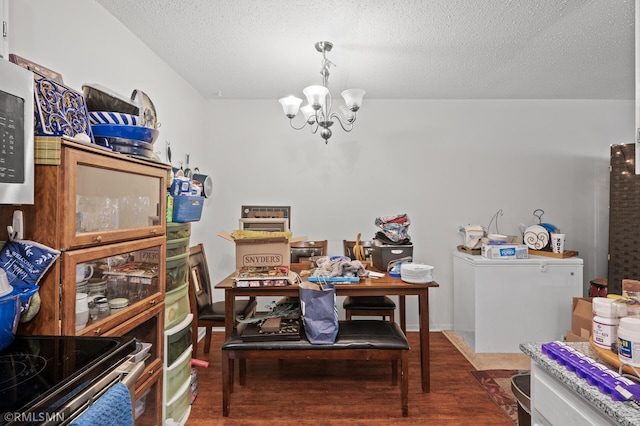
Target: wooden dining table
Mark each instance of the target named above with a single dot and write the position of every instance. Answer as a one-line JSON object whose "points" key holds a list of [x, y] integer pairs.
{"points": [[385, 286]]}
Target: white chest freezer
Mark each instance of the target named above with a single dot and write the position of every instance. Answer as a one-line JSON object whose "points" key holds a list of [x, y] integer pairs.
{"points": [[500, 303]]}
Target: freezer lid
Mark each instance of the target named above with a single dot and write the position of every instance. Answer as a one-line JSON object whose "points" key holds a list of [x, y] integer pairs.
{"points": [[478, 260]]}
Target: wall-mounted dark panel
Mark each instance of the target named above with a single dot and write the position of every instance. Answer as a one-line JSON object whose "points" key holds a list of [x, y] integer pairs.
{"points": [[624, 217]]}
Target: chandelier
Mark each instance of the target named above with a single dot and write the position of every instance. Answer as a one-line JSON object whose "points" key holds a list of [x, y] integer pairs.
{"points": [[317, 113]]}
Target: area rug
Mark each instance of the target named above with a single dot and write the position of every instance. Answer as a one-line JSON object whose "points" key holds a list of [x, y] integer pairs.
{"points": [[497, 383]]}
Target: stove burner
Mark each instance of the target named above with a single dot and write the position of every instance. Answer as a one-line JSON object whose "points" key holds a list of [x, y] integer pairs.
{"points": [[18, 368]]}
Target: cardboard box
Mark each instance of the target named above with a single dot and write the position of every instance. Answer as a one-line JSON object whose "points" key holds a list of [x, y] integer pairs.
{"points": [[582, 317], [505, 251], [572, 337], [260, 251]]}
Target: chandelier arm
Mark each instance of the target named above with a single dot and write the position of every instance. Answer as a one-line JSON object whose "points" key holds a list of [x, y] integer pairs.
{"points": [[348, 126], [297, 128]]}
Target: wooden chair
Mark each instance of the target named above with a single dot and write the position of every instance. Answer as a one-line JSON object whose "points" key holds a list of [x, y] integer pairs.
{"points": [[206, 312], [301, 250], [366, 305]]}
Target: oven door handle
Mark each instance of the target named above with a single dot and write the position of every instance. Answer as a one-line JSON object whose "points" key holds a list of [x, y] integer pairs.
{"points": [[129, 381], [132, 375]]}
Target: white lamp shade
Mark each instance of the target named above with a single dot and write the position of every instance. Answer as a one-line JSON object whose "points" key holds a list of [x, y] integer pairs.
{"points": [[316, 95], [353, 98], [309, 113], [290, 105]]}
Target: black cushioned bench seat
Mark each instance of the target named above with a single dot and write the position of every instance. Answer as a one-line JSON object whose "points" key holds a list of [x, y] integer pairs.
{"points": [[357, 340]]}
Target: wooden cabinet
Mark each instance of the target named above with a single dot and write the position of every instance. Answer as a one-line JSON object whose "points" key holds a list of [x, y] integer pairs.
{"points": [[138, 284], [105, 212]]}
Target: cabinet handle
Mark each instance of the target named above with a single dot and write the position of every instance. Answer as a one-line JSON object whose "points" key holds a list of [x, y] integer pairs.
{"points": [[99, 238], [153, 302], [98, 331], [154, 231], [151, 371]]}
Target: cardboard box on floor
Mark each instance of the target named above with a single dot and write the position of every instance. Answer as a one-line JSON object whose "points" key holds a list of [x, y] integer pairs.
{"points": [[581, 318], [269, 251]]}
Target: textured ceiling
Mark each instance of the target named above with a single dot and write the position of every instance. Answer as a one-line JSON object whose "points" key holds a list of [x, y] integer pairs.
{"points": [[394, 49]]}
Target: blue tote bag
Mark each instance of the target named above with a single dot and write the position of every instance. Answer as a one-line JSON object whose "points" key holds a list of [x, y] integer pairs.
{"points": [[319, 313]]}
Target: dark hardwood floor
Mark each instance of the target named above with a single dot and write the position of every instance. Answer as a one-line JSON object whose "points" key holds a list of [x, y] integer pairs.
{"points": [[296, 392]]}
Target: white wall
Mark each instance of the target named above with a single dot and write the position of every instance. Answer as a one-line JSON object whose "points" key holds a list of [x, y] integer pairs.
{"points": [[444, 163]]}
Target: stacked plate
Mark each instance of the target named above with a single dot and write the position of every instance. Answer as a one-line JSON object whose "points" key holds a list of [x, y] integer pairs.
{"points": [[97, 286], [128, 126], [416, 273]]}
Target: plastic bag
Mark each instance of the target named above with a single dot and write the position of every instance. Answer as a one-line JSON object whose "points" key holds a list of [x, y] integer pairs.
{"points": [[319, 313], [394, 228]]}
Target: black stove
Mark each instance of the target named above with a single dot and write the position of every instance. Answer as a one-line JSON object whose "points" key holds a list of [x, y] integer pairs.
{"points": [[38, 374]]}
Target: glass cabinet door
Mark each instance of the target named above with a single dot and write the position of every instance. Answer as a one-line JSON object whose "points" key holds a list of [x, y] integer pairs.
{"points": [[112, 199], [103, 286]]}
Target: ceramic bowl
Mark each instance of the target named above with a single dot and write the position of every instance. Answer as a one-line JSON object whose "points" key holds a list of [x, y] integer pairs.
{"points": [[138, 133], [109, 117]]}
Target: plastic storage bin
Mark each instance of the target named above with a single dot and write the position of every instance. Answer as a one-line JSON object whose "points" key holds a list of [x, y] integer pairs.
{"points": [[176, 408], [177, 271], [176, 230], [187, 208], [382, 255], [177, 340], [177, 246], [176, 305], [176, 375], [141, 404]]}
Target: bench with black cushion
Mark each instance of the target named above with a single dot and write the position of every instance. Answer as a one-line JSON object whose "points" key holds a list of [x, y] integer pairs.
{"points": [[357, 340]]}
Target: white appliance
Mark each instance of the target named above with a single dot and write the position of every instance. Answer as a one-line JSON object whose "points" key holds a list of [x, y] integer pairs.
{"points": [[17, 164], [500, 303]]}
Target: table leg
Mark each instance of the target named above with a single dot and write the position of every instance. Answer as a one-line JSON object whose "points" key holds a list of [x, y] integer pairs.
{"points": [[403, 313], [423, 308], [229, 323], [229, 311]]}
